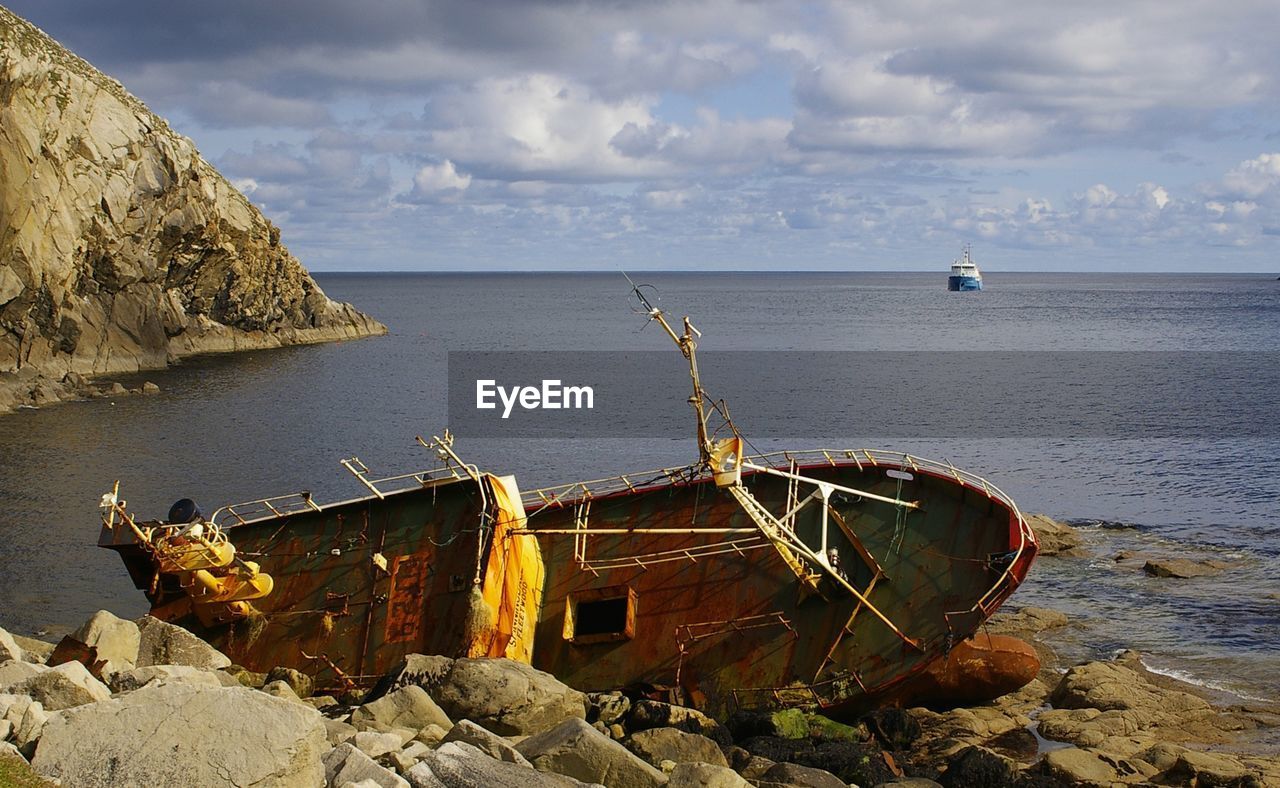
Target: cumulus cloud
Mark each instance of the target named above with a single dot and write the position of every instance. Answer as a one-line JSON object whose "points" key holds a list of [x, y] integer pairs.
{"points": [[718, 130]]}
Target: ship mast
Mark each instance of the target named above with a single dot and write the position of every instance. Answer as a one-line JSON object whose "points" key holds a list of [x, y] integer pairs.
{"points": [[688, 345]]}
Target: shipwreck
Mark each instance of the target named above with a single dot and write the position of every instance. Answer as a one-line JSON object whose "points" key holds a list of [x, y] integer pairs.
{"points": [[833, 579]]}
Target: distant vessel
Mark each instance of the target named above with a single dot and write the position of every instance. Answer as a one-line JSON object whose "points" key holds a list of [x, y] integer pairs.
{"points": [[964, 273]]}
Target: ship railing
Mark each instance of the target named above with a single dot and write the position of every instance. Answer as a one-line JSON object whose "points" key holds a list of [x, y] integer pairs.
{"points": [[567, 494], [302, 502], [537, 500], [263, 508]]}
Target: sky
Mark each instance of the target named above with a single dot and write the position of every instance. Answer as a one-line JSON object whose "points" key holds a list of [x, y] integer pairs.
{"points": [[882, 135]]}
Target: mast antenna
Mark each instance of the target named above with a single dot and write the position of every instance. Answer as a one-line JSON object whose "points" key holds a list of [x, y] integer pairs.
{"points": [[688, 345]]}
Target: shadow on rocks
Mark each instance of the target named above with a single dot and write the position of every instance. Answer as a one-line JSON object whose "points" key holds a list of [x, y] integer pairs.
{"points": [[852, 762]]}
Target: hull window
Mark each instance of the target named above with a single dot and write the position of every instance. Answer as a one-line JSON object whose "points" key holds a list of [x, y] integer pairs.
{"points": [[600, 615]]}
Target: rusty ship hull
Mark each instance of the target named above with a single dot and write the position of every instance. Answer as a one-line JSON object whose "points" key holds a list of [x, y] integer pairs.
{"points": [[866, 568]]}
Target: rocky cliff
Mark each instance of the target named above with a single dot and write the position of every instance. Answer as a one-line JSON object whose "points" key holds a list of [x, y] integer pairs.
{"points": [[121, 249]]}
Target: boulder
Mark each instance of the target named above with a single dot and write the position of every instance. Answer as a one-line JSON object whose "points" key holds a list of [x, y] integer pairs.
{"points": [[895, 729], [407, 758], [1056, 538], [977, 767], [793, 774], [660, 744], [490, 744], [9, 648], [28, 730], [337, 731], [607, 707], [1204, 768], [36, 650], [1075, 766], [298, 681], [246, 678], [15, 671], [162, 643], [431, 735], [704, 775], [647, 714], [281, 689], [137, 678], [115, 639], [1115, 686], [346, 764], [421, 670], [457, 764], [507, 697], [1027, 620], [170, 734], [408, 707], [575, 749], [69, 684], [1179, 568], [375, 744]]}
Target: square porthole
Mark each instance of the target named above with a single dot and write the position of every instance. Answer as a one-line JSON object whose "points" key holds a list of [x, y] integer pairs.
{"points": [[600, 615]]}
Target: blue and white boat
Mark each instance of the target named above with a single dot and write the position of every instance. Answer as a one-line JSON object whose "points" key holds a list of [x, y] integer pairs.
{"points": [[964, 273]]}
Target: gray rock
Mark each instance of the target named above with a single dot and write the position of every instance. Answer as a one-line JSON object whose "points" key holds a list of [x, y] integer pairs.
{"points": [[419, 670], [507, 697], [658, 744], [648, 714], [28, 730], [1179, 568], [407, 758], [337, 731], [704, 775], [408, 707], [1206, 768], [802, 776], [608, 707], [319, 702], [575, 749], [298, 681], [347, 764], [36, 650], [281, 689], [490, 744], [171, 734], [7, 750], [1055, 538], [115, 639], [16, 671], [376, 745], [9, 648], [431, 735], [6, 728], [162, 643], [1078, 767], [69, 684], [459, 765], [137, 678]]}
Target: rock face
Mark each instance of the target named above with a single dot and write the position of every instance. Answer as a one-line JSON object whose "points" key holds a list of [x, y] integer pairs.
{"points": [[120, 248], [177, 735], [507, 697]]}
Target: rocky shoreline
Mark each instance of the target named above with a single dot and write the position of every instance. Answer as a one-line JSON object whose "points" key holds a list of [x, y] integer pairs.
{"points": [[121, 248], [147, 703]]}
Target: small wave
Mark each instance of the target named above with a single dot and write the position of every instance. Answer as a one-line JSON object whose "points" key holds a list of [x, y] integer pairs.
{"points": [[1190, 678], [1106, 525]]}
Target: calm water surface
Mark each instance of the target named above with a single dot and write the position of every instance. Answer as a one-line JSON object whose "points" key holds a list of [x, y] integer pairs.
{"points": [[240, 427]]}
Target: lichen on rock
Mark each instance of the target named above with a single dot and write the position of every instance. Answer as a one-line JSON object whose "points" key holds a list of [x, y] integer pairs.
{"points": [[121, 248]]}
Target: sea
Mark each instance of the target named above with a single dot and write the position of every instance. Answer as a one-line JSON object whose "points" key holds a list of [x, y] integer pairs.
{"points": [[239, 427]]}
